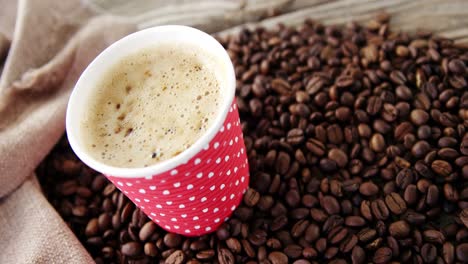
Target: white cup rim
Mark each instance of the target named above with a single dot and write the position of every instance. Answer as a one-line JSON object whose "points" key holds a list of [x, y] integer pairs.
{"points": [[194, 36]]}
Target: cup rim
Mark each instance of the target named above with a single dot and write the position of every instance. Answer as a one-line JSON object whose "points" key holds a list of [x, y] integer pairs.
{"points": [[73, 126]]}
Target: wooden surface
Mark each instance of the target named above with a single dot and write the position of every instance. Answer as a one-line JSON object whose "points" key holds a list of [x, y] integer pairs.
{"points": [[448, 18]]}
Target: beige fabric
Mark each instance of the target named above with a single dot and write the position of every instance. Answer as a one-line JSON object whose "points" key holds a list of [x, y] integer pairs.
{"points": [[34, 232], [48, 53]]}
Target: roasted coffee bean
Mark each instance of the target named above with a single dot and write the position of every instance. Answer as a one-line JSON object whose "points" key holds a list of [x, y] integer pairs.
{"points": [[395, 203], [368, 189], [172, 240], [132, 249], [225, 256], [338, 156], [330, 204], [357, 149], [448, 252], [277, 257], [251, 197], [295, 136], [337, 234], [374, 104], [379, 209], [462, 252], [399, 229], [355, 221], [434, 236], [429, 253], [358, 255], [293, 251], [366, 234], [441, 167]]}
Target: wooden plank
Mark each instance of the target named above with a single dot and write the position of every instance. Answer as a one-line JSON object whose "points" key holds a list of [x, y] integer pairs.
{"points": [[445, 18]]}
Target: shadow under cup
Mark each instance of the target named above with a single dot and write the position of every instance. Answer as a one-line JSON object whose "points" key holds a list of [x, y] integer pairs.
{"points": [[196, 191]]}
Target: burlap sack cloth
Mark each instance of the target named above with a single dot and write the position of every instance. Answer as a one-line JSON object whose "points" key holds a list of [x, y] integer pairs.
{"points": [[44, 46]]}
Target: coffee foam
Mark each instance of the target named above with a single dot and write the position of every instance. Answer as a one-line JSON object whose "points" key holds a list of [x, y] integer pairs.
{"points": [[152, 105]]}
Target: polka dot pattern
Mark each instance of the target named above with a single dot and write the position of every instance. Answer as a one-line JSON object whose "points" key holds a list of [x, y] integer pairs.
{"points": [[199, 195]]}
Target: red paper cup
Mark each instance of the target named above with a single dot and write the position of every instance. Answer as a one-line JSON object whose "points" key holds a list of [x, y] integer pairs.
{"points": [[196, 191]]}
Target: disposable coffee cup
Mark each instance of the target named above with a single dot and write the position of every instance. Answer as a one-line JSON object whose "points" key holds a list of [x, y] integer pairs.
{"points": [[197, 190]]}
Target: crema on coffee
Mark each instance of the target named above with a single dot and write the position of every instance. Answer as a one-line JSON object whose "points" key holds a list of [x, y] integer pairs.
{"points": [[152, 105]]}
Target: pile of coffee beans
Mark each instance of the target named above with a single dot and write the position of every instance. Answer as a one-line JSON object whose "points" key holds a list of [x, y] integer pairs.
{"points": [[358, 149]]}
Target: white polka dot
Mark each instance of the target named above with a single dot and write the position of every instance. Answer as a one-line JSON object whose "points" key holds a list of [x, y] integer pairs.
{"points": [[128, 184], [149, 177], [176, 227], [187, 231], [203, 187], [205, 210], [187, 173], [203, 199], [238, 154], [242, 179], [183, 215], [199, 175], [179, 195], [242, 150], [207, 228], [197, 227], [229, 126], [181, 206], [138, 200], [157, 221], [174, 172], [215, 210], [192, 198], [223, 199], [222, 186], [162, 214], [146, 200], [237, 182], [195, 218], [153, 214], [217, 220], [236, 139], [120, 183], [228, 172], [166, 192], [218, 160], [189, 187], [212, 188], [230, 109], [142, 207], [234, 106], [138, 181], [167, 227], [169, 202], [159, 206], [197, 161], [163, 181], [152, 188], [216, 145], [208, 161], [173, 219], [232, 196], [207, 147], [235, 169], [177, 184], [141, 191], [210, 174], [233, 208], [222, 129], [231, 142]]}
